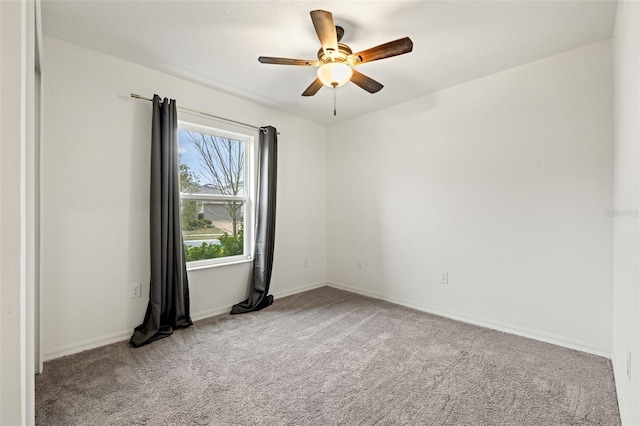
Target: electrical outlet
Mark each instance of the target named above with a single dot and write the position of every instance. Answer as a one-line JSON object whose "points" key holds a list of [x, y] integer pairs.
{"points": [[359, 263], [306, 262], [444, 277], [629, 365], [135, 291]]}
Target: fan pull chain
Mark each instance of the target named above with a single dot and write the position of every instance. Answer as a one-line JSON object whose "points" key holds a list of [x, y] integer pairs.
{"points": [[334, 101], [334, 98]]}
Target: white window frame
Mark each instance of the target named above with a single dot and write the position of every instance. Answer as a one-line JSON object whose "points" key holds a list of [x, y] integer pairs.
{"points": [[248, 198]]}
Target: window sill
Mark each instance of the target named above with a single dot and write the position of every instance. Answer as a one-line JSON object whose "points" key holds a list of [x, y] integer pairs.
{"points": [[217, 265]]}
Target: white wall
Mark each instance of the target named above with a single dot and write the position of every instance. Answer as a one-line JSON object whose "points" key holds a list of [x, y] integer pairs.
{"points": [[95, 199], [626, 297], [502, 182]]}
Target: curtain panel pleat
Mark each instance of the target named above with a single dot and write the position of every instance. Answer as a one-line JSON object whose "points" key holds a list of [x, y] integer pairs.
{"points": [[169, 287], [260, 279]]}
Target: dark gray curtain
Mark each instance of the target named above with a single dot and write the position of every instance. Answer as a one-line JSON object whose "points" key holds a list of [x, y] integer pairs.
{"points": [[259, 296], [168, 289]]}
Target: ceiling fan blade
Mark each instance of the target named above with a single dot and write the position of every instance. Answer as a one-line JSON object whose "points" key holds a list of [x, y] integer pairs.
{"points": [[288, 61], [387, 50], [326, 29], [368, 84], [313, 88]]}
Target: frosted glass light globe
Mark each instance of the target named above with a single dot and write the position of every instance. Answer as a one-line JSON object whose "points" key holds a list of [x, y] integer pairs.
{"points": [[334, 74]]}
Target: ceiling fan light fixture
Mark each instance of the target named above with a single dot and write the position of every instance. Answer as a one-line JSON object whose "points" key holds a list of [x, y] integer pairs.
{"points": [[335, 74], [336, 61]]}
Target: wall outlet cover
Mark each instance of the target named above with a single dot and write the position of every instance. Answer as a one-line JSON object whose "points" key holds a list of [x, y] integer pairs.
{"points": [[135, 291], [444, 277]]}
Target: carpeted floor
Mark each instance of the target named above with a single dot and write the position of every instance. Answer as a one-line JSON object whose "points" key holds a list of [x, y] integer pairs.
{"points": [[329, 357]]}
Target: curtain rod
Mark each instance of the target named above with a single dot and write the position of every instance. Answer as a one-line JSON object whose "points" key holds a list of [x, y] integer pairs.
{"points": [[240, 123]]}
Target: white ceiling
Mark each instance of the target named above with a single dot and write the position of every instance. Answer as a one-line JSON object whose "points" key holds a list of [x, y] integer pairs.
{"points": [[217, 43]]}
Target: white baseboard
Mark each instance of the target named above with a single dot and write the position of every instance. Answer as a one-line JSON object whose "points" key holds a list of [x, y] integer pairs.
{"points": [[300, 289], [617, 378], [278, 294], [126, 334], [531, 334], [211, 313], [87, 344]]}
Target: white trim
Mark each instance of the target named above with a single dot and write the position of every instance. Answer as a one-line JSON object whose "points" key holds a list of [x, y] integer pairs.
{"points": [[617, 379], [84, 345], [27, 335], [544, 337], [518, 331], [40, 136], [29, 215], [126, 334], [241, 136], [197, 265], [211, 313], [300, 289], [226, 309], [213, 197]]}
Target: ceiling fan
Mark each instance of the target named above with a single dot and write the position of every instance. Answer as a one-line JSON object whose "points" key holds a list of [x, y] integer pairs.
{"points": [[336, 60]]}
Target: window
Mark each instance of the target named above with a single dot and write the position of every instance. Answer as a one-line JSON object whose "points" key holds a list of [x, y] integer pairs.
{"points": [[216, 194]]}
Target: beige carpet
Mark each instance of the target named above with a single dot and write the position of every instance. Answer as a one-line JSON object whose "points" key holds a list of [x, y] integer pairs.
{"points": [[328, 357]]}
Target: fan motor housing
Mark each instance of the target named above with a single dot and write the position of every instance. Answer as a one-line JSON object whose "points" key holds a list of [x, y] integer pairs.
{"points": [[340, 56]]}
